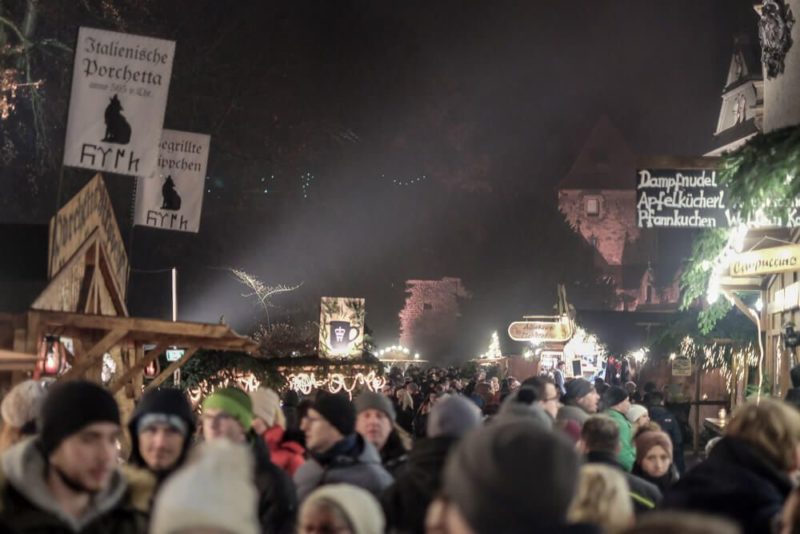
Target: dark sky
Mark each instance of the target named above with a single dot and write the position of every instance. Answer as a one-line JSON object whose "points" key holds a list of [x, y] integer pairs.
{"points": [[480, 107]]}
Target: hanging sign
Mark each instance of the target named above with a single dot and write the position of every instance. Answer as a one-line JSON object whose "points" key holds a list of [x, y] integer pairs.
{"points": [[341, 327], [557, 331], [682, 366], [119, 93], [766, 261], [172, 199], [173, 355]]}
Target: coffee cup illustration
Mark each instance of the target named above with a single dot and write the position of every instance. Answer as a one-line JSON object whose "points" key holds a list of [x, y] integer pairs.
{"points": [[342, 334]]}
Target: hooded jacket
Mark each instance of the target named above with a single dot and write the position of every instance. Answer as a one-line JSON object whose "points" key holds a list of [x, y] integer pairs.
{"points": [[572, 412], [627, 450], [277, 499], [405, 502], [27, 506], [288, 455], [164, 401], [734, 482], [355, 461]]}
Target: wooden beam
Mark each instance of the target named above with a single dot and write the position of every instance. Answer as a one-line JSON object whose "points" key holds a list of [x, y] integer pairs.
{"points": [[135, 324], [95, 354], [137, 367], [174, 366], [741, 306]]}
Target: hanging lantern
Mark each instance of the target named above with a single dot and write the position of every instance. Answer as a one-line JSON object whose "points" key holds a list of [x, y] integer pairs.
{"points": [[152, 370], [51, 357]]}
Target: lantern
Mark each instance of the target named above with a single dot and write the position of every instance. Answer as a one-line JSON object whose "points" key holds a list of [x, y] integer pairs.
{"points": [[152, 370], [51, 357]]}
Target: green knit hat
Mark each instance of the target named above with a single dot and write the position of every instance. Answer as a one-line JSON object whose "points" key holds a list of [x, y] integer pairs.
{"points": [[234, 402]]}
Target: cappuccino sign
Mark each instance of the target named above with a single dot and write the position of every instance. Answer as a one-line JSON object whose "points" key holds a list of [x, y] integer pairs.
{"points": [[119, 93], [766, 261]]}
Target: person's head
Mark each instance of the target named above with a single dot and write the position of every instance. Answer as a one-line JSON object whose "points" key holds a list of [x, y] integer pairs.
{"points": [[616, 398], [80, 428], [581, 392], [267, 411], [560, 365], [212, 494], [654, 453], [227, 413], [487, 479], [638, 416], [375, 418], [19, 410], [600, 434], [161, 428], [770, 427], [656, 398], [546, 394], [453, 417], [329, 419], [340, 508], [603, 499], [673, 522], [631, 387]]}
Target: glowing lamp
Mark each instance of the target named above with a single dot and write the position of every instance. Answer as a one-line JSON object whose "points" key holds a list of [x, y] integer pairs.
{"points": [[52, 357], [152, 370]]}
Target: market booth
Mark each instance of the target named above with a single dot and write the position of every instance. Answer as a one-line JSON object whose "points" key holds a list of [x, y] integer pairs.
{"points": [[79, 326]]}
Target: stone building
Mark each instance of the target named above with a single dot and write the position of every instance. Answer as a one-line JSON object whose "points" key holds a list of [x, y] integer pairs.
{"points": [[429, 319]]}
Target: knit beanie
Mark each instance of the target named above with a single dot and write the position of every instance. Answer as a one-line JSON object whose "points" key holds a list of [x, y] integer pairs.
{"points": [[649, 439], [234, 402], [374, 401], [361, 509], [614, 396], [452, 417], [337, 410], [21, 405], [577, 388], [266, 405], [635, 412], [214, 490], [489, 473], [168, 402], [71, 406]]}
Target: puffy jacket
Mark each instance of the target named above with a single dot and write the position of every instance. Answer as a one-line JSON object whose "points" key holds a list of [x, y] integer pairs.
{"points": [[627, 451], [666, 420], [27, 507], [288, 455], [736, 482], [351, 461]]}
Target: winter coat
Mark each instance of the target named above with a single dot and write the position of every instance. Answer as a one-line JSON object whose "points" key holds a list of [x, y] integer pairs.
{"points": [[644, 495], [405, 502], [572, 412], [288, 455], [358, 464], [405, 418], [627, 451], [27, 506], [277, 499], [663, 483], [666, 420], [394, 454], [736, 482]]}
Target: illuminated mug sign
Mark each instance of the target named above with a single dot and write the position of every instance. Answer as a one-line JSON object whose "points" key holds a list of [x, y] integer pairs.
{"points": [[767, 261]]}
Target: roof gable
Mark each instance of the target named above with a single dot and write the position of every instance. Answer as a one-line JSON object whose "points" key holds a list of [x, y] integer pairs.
{"points": [[606, 161]]}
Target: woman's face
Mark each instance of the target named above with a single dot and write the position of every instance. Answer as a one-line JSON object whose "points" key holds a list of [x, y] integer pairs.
{"points": [[656, 462], [322, 519]]}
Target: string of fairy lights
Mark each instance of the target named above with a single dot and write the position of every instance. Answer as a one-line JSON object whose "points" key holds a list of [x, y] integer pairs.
{"points": [[405, 182]]}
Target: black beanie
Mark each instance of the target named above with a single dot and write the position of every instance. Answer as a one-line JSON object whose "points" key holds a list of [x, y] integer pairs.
{"points": [[71, 406], [577, 388], [614, 396], [167, 401], [337, 410]]}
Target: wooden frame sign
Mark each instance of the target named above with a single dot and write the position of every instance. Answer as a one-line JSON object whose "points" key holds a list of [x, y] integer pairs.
{"points": [[766, 261]]}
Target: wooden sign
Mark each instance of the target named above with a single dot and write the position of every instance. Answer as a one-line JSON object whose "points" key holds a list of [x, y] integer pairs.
{"points": [[558, 330], [681, 366], [766, 261]]}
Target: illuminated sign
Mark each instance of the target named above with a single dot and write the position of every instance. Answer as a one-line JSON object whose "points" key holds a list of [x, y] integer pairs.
{"points": [[766, 261], [341, 327], [556, 330]]}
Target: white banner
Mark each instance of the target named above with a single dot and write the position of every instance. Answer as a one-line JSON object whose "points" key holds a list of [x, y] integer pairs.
{"points": [[172, 199], [119, 93]]}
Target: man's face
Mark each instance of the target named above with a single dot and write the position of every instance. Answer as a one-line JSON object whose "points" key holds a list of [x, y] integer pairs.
{"points": [[220, 424], [89, 456], [320, 434], [623, 406], [589, 401], [161, 446], [374, 426], [550, 402]]}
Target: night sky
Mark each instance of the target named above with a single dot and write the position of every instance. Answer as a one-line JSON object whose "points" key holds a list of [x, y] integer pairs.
{"points": [[399, 140]]}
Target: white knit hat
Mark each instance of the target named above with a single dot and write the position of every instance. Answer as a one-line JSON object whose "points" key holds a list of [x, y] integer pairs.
{"points": [[635, 412], [214, 490], [266, 404], [21, 404], [361, 509]]}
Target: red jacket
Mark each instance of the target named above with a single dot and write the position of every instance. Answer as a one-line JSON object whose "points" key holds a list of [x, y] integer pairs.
{"points": [[287, 455]]}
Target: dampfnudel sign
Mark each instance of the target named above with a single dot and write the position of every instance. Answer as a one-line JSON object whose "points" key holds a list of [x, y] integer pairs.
{"points": [[675, 198]]}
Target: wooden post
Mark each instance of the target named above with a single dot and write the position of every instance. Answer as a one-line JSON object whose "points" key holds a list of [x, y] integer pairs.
{"points": [[696, 439], [95, 354], [137, 367], [174, 366]]}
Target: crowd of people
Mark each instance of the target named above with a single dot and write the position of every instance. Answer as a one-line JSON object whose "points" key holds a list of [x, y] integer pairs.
{"points": [[432, 452]]}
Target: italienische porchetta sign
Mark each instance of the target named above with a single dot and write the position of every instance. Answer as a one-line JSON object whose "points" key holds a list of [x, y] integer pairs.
{"points": [[680, 198], [119, 93]]}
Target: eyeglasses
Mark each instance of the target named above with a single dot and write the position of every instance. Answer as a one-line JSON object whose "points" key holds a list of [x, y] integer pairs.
{"points": [[551, 399]]}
